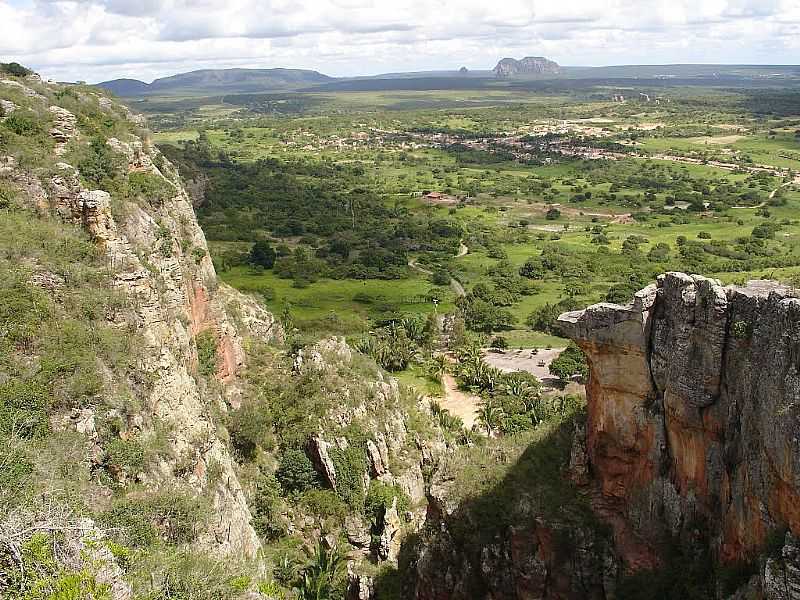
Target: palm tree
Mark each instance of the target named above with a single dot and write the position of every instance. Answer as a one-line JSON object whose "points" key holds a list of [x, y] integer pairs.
{"points": [[490, 415], [437, 366], [319, 578]]}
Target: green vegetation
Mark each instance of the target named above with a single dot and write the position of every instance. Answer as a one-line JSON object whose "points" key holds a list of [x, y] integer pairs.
{"points": [[569, 363], [206, 342], [335, 194]]}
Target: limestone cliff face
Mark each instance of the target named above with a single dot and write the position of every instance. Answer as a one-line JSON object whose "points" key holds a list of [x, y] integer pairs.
{"points": [[693, 416], [160, 264]]}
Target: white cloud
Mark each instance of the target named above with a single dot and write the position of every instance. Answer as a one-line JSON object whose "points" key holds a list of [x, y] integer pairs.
{"points": [[100, 39]]}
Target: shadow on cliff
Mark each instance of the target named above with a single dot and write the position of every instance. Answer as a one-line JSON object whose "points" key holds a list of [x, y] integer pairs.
{"points": [[516, 538], [533, 533]]}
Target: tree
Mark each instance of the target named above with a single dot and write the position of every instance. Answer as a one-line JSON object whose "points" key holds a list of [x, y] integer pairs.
{"points": [[570, 362], [490, 416], [552, 214], [296, 472], [262, 254]]}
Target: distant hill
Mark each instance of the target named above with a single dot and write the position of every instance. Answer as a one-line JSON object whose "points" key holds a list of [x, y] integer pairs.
{"points": [[530, 65], [125, 87], [757, 72], [214, 81]]}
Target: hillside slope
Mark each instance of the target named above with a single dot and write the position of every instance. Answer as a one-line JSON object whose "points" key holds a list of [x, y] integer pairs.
{"points": [[156, 438]]}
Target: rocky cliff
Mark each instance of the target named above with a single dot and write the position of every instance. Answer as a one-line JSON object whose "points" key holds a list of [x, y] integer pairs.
{"points": [[157, 438], [693, 429], [169, 300], [682, 479], [530, 65]]}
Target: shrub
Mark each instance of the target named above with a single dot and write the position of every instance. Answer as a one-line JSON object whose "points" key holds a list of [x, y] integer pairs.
{"points": [[250, 428], [125, 455], [190, 575], [350, 465], [39, 576], [295, 472], [100, 163], [23, 409], [740, 330], [206, 342], [325, 503], [265, 505], [22, 310], [15, 471], [570, 362], [22, 124], [150, 187], [15, 69], [262, 254], [168, 515], [379, 498], [499, 342]]}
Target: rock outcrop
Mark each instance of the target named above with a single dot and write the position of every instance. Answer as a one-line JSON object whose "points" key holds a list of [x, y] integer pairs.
{"points": [[694, 417], [688, 461], [530, 65]]}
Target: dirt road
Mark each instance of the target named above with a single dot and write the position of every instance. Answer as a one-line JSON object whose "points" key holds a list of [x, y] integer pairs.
{"points": [[459, 403]]}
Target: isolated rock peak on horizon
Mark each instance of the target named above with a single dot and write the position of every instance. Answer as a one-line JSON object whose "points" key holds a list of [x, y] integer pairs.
{"points": [[530, 65]]}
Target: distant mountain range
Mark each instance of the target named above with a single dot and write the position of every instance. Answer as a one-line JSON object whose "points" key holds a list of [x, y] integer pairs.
{"points": [[219, 81], [526, 71]]}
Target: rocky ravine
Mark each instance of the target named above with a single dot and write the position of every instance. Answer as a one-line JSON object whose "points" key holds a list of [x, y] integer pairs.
{"points": [[171, 300], [694, 423]]}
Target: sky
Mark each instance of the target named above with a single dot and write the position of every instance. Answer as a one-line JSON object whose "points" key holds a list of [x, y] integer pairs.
{"points": [[95, 40]]}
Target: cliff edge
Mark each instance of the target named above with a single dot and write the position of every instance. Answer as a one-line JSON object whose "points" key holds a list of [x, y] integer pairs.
{"points": [[693, 419]]}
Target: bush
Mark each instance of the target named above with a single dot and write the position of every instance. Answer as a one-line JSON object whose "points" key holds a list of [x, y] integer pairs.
{"points": [[23, 409], [206, 342], [265, 505], [250, 428], [15, 471], [22, 124], [295, 472], [350, 464], [100, 164], [571, 361], [499, 343], [170, 516], [325, 504], [379, 498], [39, 576], [262, 254], [125, 455], [150, 187], [15, 69], [22, 310]]}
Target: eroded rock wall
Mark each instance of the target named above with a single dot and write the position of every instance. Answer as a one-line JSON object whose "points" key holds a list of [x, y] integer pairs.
{"points": [[693, 415]]}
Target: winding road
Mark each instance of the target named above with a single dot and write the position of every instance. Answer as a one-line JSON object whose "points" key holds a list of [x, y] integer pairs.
{"points": [[455, 285]]}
